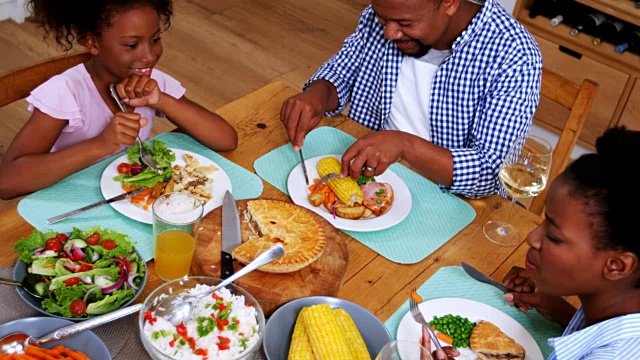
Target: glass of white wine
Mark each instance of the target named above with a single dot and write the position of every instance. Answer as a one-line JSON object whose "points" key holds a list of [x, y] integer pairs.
{"points": [[523, 174], [403, 350]]}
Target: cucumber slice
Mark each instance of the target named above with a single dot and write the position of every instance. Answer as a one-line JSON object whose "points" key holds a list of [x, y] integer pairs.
{"points": [[40, 288], [134, 267], [103, 282], [79, 243]]}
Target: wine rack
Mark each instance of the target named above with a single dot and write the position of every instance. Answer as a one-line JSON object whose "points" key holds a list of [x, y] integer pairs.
{"points": [[617, 73]]}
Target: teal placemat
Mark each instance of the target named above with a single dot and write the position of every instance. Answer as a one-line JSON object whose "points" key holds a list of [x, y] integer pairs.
{"points": [[452, 281], [83, 188], [434, 218]]}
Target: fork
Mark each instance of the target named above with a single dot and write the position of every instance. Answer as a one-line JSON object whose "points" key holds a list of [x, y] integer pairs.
{"points": [[144, 153], [324, 179], [417, 316]]}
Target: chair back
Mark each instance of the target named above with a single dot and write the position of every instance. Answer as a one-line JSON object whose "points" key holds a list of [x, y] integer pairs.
{"points": [[578, 100], [17, 84]]}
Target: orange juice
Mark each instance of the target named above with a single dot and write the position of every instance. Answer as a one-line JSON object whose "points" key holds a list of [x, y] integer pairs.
{"points": [[173, 252]]}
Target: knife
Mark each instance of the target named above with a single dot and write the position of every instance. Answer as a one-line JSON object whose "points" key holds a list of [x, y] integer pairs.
{"points": [[479, 276], [230, 234], [69, 214], [304, 166]]}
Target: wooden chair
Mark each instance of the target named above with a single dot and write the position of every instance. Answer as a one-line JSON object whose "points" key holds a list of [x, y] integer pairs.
{"points": [[18, 83], [578, 100]]}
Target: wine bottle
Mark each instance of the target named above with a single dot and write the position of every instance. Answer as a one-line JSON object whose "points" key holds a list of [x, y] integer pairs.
{"points": [[562, 12], [631, 42], [610, 31], [588, 23], [540, 7]]}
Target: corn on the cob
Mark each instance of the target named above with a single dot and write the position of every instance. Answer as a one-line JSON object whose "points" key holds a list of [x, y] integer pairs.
{"points": [[352, 335], [300, 348], [325, 334], [346, 189]]}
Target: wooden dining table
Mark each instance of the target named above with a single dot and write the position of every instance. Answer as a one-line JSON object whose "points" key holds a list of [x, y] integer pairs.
{"points": [[371, 280]]}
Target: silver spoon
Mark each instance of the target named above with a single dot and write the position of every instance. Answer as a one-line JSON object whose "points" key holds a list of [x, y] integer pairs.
{"points": [[16, 342], [23, 284], [178, 308]]}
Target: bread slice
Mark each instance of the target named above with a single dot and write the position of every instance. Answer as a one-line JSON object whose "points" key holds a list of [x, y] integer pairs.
{"points": [[489, 343], [293, 226]]}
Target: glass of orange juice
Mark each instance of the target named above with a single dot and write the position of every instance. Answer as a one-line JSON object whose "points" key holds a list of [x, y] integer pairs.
{"points": [[176, 218]]}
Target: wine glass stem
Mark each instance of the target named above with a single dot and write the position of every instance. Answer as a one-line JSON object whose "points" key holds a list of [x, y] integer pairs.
{"points": [[506, 220]]}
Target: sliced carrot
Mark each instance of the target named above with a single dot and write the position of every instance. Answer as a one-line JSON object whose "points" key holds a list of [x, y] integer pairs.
{"points": [[37, 353], [84, 263], [49, 265], [315, 181], [442, 336], [332, 197], [312, 188], [146, 207], [416, 297], [150, 200]]}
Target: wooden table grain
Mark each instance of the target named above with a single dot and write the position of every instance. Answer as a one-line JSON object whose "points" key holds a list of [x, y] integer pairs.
{"points": [[371, 281]]}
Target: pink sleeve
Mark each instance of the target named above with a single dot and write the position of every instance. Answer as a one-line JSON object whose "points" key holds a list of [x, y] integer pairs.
{"points": [[168, 85], [56, 98]]}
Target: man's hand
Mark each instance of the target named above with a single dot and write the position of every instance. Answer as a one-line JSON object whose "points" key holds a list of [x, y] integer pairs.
{"points": [[303, 112], [121, 131], [447, 352], [139, 90], [376, 151]]}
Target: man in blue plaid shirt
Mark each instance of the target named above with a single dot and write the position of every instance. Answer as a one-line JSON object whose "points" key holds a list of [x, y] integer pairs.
{"points": [[451, 84]]}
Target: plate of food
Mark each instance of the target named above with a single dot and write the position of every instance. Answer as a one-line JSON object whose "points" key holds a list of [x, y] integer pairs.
{"points": [[80, 274], [349, 322], [368, 204], [86, 342], [478, 330], [183, 171]]}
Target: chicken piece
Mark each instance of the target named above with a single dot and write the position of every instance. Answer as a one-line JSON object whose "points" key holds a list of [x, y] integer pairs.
{"points": [[378, 197]]}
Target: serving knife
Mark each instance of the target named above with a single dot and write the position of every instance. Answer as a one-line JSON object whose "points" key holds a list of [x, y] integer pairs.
{"points": [[480, 276], [230, 234], [69, 214]]}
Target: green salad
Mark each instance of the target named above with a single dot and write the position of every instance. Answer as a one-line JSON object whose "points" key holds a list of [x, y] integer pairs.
{"points": [[91, 272], [135, 173]]}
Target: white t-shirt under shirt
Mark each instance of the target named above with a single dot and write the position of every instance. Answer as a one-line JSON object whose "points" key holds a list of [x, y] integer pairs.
{"points": [[412, 97]]}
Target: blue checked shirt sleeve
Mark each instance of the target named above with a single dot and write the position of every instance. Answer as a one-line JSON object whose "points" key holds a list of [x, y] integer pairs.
{"points": [[506, 113], [344, 65]]}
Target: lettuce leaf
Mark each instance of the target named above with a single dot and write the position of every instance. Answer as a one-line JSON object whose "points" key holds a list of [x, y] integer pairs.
{"points": [[26, 246], [110, 302]]}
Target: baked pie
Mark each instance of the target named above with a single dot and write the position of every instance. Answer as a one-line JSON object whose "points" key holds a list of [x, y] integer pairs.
{"points": [[489, 343], [295, 227]]}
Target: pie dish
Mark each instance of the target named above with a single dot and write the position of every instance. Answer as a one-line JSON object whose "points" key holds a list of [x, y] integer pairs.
{"points": [[273, 222]]}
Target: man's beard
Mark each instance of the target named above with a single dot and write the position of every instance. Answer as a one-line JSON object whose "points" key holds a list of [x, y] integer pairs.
{"points": [[423, 49]]}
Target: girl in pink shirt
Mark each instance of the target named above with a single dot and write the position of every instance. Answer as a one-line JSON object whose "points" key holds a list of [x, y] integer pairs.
{"points": [[75, 121]]}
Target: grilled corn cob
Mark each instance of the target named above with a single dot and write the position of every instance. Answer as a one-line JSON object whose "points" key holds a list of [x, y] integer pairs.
{"points": [[352, 335], [325, 333], [346, 189], [300, 348]]}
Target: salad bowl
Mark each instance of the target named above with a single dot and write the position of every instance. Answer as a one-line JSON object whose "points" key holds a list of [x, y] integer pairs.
{"points": [[101, 293]]}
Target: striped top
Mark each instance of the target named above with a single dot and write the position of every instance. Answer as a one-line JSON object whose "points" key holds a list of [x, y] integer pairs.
{"points": [[483, 96], [617, 338]]}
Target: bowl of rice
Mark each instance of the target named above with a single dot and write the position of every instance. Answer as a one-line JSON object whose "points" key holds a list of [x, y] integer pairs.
{"points": [[229, 324]]}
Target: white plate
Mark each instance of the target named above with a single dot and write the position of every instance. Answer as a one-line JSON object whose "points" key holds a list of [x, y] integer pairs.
{"points": [[474, 311], [111, 188], [298, 191]]}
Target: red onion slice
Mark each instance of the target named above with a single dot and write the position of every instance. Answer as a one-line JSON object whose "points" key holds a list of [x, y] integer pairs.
{"points": [[69, 266], [39, 251], [86, 296], [118, 284], [130, 281], [85, 280]]}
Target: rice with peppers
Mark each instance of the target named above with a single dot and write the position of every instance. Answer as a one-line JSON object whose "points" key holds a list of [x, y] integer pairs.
{"points": [[222, 326]]}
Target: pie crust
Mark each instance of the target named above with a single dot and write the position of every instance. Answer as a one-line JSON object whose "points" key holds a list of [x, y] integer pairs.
{"points": [[293, 226], [488, 342]]}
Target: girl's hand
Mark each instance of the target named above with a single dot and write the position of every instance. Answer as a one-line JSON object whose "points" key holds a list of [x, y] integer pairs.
{"points": [[139, 90], [520, 280], [553, 308], [447, 352], [121, 131]]}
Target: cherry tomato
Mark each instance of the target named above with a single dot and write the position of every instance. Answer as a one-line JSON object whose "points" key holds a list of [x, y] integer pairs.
{"points": [[62, 237], [127, 263], [84, 268], [78, 308], [72, 281], [108, 244], [53, 244], [93, 239], [124, 169]]}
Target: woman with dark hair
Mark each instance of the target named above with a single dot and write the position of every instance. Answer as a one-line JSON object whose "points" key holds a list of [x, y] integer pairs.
{"points": [[589, 246], [75, 122]]}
